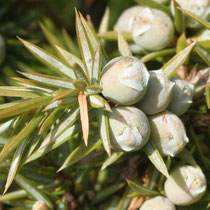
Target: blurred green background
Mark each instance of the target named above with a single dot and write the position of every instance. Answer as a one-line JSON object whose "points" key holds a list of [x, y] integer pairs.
{"points": [[23, 17]]}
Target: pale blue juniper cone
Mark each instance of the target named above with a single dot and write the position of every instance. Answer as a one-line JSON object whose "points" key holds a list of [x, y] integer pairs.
{"points": [[185, 185], [168, 133], [182, 97], [158, 95], [151, 29], [2, 49], [200, 8], [158, 203], [129, 128], [124, 80]]}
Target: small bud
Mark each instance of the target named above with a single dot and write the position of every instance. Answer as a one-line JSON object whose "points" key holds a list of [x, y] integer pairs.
{"points": [[185, 185], [124, 80], [129, 128], [168, 133], [151, 29], [158, 95], [2, 49], [200, 8], [181, 98], [158, 203], [39, 205]]}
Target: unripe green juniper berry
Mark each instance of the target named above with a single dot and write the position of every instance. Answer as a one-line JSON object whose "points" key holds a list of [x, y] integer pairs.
{"points": [[130, 128], [185, 185], [200, 8], [168, 133], [124, 80], [181, 98], [151, 29], [158, 95], [158, 203]]}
